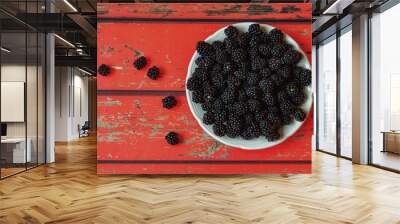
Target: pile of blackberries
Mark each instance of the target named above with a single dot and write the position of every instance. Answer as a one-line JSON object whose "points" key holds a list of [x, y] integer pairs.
{"points": [[249, 85]]}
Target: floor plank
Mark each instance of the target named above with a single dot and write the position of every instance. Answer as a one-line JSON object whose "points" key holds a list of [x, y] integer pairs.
{"points": [[69, 191]]}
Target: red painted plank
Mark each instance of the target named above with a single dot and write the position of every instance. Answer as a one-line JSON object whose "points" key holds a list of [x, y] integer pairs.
{"points": [[203, 169], [276, 11], [170, 46], [133, 128]]}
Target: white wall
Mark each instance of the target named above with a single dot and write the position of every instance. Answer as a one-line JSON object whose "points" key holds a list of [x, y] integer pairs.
{"points": [[71, 102]]}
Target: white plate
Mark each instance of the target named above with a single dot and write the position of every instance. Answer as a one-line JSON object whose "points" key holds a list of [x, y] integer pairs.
{"points": [[261, 142]]}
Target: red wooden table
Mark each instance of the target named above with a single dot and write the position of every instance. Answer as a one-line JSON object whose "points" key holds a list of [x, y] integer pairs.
{"points": [[131, 121]]}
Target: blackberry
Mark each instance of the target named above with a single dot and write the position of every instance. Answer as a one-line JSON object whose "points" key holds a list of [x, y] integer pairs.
{"points": [[252, 78], [247, 134], [204, 62], [104, 70], [219, 129], [218, 45], [298, 99], [218, 80], [231, 32], [282, 96], [278, 79], [233, 82], [253, 52], [269, 99], [286, 119], [230, 44], [204, 49], [299, 115], [238, 55], [218, 105], [285, 72], [172, 138], [266, 85], [265, 72], [254, 29], [286, 107], [241, 74], [239, 108], [291, 57], [153, 72], [242, 96], [292, 89], [228, 96], [274, 120], [278, 50], [208, 118], [243, 40], [253, 105], [265, 50], [274, 64], [221, 56], [228, 67], [260, 117], [302, 76], [252, 92], [140, 62], [274, 110], [254, 41], [272, 135], [197, 96], [194, 83], [200, 74], [257, 63], [169, 102], [232, 131], [207, 106], [276, 36]]}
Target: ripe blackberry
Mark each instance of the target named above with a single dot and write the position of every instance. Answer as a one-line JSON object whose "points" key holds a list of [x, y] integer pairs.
{"points": [[207, 105], [274, 64], [241, 96], [204, 62], [265, 50], [243, 40], [209, 92], [260, 116], [278, 50], [172, 138], [218, 105], [257, 63], [274, 110], [218, 80], [239, 108], [208, 118], [298, 99], [286, 119], [254, 29], [292, 89], [291, 57], [228, 96], [197, 96], [221, 56], [252, 78], [269, 99], [266, 85], [205, 49], [238, 55], [253, 105], [253, 52], [201, 74], [241, 74], [282, 96], [276, 36], [228, 67], [104, 70], [153, 72], [285, 72], [255, 41], [219, 129], [299, 115], [265, 72], [231, 131], [218, 45], [274, 120], [302, 76], [247, 134], [169, 102], [272, 135], [230, 44], [140, 62], [278, 79], [252, 92], [233, 82], [231, 32], [286, 107], [194, 83]]}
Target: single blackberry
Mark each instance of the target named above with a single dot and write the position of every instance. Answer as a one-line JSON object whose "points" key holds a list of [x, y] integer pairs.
{"points": [[241, 74], [274, 110], [253, 52], [216, 69], [253, 105], [255, 130], [298, 99], [228, 67], [197, 96], [286, 107], [265, 50], [153, 72], [272, 135], [239, 108], [221, 116], [218, 80], [276, 36], [265, 72], [252, 92], [207, 105], [252, 78], [208, 118], [274, 120], [286, 119], [238, 55], [218, 105], [231, 32], [299, 115], [255, 41], [210, 92], [218, 45], [201, 74], [241, 96], [292, 89], [243, 40], [172, 138], [291, 57], [278, 50], [257, 63], [302, 76], [205, 49], [278, 79], [204, 62], [285, 72], [282, 96], [194, 83], [269, 99], [228, 96], [233, 82], [266, 85], [248, 119], [260, 116], [255, 29], [221, 56], [219, 129], [247, 134], [274, 64], [104, 70], [169, 102], [231, 131], [140, 62], [230, 44]]}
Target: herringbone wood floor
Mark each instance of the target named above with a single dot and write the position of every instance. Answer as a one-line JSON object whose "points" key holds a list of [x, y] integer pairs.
{"points": [[69, 191]]}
